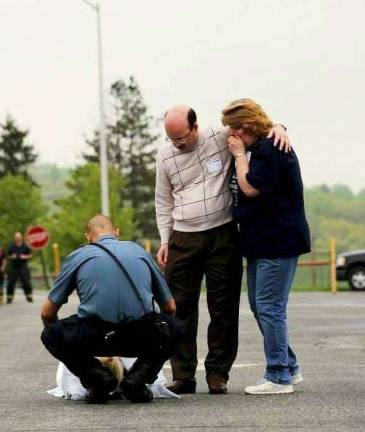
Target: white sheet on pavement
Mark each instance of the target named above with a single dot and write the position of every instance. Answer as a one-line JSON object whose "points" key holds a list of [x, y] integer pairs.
{"points": [[70, 387]]}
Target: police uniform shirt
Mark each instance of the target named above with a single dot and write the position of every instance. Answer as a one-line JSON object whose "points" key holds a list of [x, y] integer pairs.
{"points": [[18, 250], [103, 288]]}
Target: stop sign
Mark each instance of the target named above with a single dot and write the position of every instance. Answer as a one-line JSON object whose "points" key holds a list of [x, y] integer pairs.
{"points": [[37, 237]]}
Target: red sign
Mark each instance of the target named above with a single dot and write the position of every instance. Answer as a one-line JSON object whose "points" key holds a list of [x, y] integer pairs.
{"points": [[37, 237]]}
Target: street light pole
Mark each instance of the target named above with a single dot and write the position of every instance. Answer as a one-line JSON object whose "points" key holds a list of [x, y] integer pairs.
{"points": [[104, 187]]}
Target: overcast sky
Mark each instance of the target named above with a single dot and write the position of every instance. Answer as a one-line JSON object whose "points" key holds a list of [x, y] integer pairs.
{"points": [[302, 60]]}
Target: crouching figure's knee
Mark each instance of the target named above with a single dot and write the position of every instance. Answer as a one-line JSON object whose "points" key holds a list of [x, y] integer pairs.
{"points": [[52, 336]]}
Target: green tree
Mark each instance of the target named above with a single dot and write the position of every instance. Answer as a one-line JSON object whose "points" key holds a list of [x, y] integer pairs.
{"points": [[361, 194], [51, 179], [20, 206], [131, 149], [342, 191], [336, 212], [83, 202], [15, 155]]}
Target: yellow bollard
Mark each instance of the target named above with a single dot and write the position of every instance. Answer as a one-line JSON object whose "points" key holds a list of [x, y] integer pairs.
{"points": [[148, 246], [333, 265], [56, 259]]}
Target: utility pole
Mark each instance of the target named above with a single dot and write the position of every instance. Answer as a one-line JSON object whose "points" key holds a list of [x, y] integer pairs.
{"points": [[104, 183]]}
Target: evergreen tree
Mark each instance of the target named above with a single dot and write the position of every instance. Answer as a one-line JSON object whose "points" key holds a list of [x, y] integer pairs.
{"points": [[131, 148], [15, 155], [21, 205]]}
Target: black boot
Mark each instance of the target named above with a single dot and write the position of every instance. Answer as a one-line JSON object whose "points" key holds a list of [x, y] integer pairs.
{"points": [[134, 386], [100, 383], [136, 393]]}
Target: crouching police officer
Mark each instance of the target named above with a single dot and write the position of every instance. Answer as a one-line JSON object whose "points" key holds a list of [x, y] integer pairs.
{"points": [[116, 282]]}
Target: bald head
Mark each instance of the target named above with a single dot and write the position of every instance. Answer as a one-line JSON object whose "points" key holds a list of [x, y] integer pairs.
{"points": [[98, 226], [177, 117], [18, 238], [181, 126]]}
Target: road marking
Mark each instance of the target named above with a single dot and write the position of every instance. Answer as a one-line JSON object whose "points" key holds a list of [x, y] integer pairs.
{"points": [[200, 366]]}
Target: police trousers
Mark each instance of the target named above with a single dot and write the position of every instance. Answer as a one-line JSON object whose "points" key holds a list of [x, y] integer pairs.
{"points": [[76, 342], [23, 274]]}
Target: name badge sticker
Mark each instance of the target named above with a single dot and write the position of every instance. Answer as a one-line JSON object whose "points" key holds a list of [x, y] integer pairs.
{"points": [[214, 165]]}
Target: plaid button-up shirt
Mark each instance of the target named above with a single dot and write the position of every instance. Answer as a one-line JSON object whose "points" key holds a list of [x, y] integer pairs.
{"points": [[192, 188]]}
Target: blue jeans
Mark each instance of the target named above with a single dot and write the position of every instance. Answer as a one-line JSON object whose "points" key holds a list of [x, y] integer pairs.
{"points": [[269, 282]]}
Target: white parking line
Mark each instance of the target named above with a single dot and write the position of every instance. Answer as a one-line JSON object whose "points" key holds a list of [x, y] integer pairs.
{"points": [[200, 366]]}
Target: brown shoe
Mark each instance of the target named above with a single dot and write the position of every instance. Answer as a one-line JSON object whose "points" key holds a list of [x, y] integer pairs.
{"points": [[183, 386], [216, 384]]}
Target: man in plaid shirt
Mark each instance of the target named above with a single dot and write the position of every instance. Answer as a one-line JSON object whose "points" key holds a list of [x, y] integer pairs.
{"points": [[199, 238]]}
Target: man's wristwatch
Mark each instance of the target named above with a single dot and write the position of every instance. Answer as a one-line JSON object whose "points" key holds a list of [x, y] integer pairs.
{"points": [[237, 155]]}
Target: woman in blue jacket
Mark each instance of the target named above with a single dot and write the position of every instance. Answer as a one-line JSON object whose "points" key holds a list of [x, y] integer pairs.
{"points": [[269, 209]]}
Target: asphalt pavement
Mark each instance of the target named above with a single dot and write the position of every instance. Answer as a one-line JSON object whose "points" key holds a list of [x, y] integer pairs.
{"points": [[327, 332]]}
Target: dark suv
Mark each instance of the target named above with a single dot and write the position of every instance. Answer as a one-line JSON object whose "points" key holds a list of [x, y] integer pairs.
{"points": [[351, 267]]}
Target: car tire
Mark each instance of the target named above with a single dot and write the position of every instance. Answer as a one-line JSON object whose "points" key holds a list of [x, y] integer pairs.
{"points": [[356, 278]]}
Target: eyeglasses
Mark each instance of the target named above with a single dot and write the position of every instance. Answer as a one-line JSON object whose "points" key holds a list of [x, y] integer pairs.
{"points": [[182, 140]]}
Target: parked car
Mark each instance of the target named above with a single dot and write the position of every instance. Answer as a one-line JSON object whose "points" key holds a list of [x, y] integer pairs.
{"points": [[350, 266]]}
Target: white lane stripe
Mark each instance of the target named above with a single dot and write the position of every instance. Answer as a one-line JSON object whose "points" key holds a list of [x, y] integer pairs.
{"points": [[235, 366]]}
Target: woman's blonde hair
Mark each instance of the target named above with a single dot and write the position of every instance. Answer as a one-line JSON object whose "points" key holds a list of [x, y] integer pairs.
{"points": [[248, 115]]}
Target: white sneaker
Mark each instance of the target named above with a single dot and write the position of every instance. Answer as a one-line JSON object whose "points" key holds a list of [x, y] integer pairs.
{"points": [[296, 379], [267, 387]]}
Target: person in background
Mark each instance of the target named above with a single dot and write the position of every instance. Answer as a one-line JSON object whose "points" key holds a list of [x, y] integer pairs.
{"points": [[3, 262], [269, 209], [18, 256]]}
